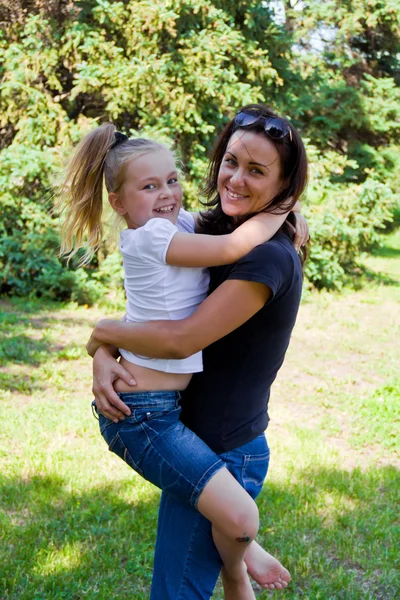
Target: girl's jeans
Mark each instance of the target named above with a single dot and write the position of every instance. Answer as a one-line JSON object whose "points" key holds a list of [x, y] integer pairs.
{"points": [[156, 444], [187, 564]]}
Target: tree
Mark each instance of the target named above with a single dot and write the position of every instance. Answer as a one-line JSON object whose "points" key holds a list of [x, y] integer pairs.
{"points": [[178, 70], [349, 57]]}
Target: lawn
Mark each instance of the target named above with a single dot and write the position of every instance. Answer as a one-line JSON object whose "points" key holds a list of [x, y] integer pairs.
{"points": [[76, 523]]}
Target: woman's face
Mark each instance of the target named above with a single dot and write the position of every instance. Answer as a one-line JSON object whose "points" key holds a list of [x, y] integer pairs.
{"points": [[249, 177]]}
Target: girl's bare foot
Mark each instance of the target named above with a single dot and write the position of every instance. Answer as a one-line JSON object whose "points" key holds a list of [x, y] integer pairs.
{"points": [[266, 570], [238, 586]]}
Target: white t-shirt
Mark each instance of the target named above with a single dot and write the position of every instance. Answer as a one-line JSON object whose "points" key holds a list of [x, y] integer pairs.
{"points": [[157, 291]]}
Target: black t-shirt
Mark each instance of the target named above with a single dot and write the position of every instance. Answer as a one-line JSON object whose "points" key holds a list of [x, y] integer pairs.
{"points": [[227, 404]]}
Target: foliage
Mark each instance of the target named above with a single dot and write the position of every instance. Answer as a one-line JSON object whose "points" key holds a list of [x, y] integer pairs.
{"points": [[179, 70], [345, 220]]}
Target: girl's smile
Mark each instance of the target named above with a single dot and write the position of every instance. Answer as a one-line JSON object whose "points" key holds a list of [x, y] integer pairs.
{"points": [[151, 190]]}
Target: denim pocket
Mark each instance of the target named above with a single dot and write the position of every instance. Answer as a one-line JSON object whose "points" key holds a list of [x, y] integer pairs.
{"points": [[137, 416], [143, 414], [255, 468]]}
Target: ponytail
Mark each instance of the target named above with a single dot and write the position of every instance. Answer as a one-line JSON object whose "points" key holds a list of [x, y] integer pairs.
{"points": [[81, 194], [102, 155]]}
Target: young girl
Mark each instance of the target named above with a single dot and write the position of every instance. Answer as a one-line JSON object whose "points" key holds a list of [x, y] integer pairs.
{"points": [[164, 279]]}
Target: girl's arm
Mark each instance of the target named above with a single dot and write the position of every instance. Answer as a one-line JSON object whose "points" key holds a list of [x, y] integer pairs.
{"points": [[200, 250], [217, 316]]}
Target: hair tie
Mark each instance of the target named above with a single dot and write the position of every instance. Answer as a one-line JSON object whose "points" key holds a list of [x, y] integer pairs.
{"points": [[119, 138]]}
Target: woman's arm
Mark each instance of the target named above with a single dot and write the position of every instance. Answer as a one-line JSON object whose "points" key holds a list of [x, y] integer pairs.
{"points": [[201, 250], [217, 316]]}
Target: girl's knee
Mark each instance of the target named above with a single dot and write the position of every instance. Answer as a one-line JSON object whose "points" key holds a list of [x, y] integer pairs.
{"points": [[245, 523], [229, 507]]}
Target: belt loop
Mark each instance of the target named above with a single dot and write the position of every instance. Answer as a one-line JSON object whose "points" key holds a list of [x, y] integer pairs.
{"points": [[94, 410]]}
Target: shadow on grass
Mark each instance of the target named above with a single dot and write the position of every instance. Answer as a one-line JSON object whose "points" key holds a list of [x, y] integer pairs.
{"points": [[29, 306], [20, 310], [365, 276], [387, 252], [337, 533], [21, 348], [57, 543], [326, 526]]}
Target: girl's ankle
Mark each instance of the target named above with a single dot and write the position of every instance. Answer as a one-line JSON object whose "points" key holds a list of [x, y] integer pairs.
{"points": [[237, 574]]}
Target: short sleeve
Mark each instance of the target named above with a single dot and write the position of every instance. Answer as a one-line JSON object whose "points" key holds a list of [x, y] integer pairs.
{"points": [[270, 264], [185, 221], [150, 242]]}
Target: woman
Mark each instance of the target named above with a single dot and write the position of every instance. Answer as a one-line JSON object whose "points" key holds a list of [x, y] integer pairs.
{"points": [[244, 327]]}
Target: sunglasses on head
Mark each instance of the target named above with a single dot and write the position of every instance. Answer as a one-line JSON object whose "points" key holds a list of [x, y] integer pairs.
{"points": [[274, 127]]}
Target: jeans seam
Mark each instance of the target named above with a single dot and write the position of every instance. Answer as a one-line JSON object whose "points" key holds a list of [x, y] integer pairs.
{"points": [[133, 464], [144, 423], [145, 433], [173, 467], [188, 556], [200, 485], [243, 469]]}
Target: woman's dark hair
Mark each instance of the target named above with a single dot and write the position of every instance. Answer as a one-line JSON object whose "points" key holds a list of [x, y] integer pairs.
{"points": [[293, 159]]}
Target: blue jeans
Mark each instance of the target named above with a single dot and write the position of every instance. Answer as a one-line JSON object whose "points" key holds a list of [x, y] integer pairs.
{"points": [[186, 563], [157, 445]]}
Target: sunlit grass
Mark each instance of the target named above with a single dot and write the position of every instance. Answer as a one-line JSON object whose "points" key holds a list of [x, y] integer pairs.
{"points": [[76, 523]]}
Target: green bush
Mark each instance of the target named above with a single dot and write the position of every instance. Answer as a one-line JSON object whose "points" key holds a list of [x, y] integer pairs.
{"points": [[179, 70], [345, 220]]}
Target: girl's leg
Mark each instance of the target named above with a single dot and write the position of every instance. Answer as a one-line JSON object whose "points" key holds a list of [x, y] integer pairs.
{"points": [[249, 464], [234, 518], [165, 452]]}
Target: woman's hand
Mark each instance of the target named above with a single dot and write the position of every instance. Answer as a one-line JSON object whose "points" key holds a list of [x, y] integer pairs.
{"points": [[93, 344], [106, 369], [96, 340]]}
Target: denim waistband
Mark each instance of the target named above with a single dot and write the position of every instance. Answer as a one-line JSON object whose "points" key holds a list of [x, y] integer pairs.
{"points": [[165, 398]]}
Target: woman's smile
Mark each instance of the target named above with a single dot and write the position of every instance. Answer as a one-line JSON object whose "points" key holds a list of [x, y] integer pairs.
{"points": [[235, 195]]}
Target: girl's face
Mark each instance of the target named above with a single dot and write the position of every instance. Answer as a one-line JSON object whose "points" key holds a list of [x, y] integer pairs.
{"points": [[249, 177], [151, 189]]}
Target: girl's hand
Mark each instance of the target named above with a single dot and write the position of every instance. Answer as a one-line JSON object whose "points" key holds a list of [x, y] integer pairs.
{"points": [[106, 369], [302, 233]]}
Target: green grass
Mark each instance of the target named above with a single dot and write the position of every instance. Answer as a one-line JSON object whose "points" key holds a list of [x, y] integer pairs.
{"points": [[76, 523]]}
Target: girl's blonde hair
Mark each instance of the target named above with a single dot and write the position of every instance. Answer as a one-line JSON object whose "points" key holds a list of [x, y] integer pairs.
{"points": [[80, 194]]}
